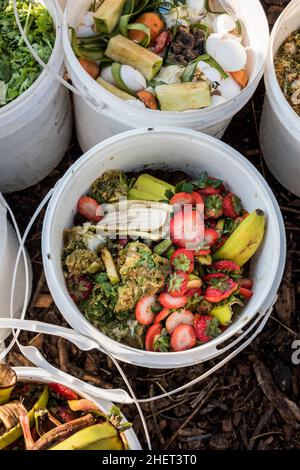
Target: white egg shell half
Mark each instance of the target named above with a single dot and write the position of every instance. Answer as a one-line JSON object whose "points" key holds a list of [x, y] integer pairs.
{"points": [[108, 76], [195, 7], [210, 72], [231, 55], [88, 19], [213, 43], [217, 99], [223, 24], [132, 78], [84, 31], [229, 88]]}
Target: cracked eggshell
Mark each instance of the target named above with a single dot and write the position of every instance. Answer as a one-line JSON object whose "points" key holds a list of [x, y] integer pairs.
{"points": [[217, 99], [132, 78], [213, 43], [107, 75], [229, 88], [195, 7], [210, 72], [223, 24], [231, 55]]}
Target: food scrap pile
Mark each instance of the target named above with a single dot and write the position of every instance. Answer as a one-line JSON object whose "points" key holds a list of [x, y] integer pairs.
{"points": [[153, 292], [18, 69], [287, 66], [35, 416], [168, 55]]}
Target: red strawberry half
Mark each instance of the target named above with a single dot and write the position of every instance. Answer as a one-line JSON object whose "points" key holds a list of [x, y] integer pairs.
{"points": [[177, 318], [143, 311], [186, 229], [245, 293], [90, 209], [207, 328], [211, 236], [208, 185], [225, 266], [247, 283], [220, 288], [182, 199], [232, 206], [79, 288], [161, 316], [168, 301], [178, 283], [213, 207], [183, 338], [152, 334], [183, 260]]}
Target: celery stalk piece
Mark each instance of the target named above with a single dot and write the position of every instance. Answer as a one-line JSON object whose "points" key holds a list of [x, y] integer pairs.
{"points": [[108, 14], [183, 96]]}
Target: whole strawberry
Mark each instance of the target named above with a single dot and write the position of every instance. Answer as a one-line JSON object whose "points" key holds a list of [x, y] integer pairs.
{"points": [[79, 288], [207, 328], [232, 206], [213, 206]]}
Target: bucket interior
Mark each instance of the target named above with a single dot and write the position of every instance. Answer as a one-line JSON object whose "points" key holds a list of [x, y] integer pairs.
{"points": [[183, 150]]}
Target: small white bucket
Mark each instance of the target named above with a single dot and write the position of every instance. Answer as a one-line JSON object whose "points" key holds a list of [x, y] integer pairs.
{"points": [[191, 152], [101, 114], [35, 128], [280, 125], [9, 247], [34, 374]]}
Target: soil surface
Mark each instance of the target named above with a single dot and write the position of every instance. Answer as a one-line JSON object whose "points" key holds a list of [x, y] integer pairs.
{"points": [[253, 401]]}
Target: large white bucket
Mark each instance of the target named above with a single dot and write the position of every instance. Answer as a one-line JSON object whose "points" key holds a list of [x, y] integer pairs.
{"points": [[34, 374], [280, 125], [9, 247], [35, 128], [174, 148], [101, 114]]}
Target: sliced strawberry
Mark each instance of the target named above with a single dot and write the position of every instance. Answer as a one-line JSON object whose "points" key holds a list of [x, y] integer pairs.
{"points": [[225, 266], [232, 206], [182, 199], [143, 311], [178, 283], [197, 198], [247, 283], [177, 318], [213, 207], [183, 338], [161, 316], [79, 288], [246, 293], [168, 301], [193, 292], [152, 334], [211, 236], [197, 317], [162, 41], [220, 288], [186, 229], [183, 260], [90, 209], [207, 328], [202, 252]]}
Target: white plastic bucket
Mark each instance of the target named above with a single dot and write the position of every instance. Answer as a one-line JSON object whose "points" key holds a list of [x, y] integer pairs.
{"points": [[9, 247], [34, 374], [280, 125], [101, 114], [35, 128], [174, 148]]}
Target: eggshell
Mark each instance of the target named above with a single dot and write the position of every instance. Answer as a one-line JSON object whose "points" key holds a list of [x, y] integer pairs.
{"points": [[217, 99], [88, 19], [229, 88], [132, 78], [213, 43], [223, 24], [195, 7], [231, 55], [210, 72], [108, 76]]}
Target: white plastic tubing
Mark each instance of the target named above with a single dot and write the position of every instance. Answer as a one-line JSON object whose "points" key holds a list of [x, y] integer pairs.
{"points": [[100, 114], [35, 128], [280, 125], [191, 152]]}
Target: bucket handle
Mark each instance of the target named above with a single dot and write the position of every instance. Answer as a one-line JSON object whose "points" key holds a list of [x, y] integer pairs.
{"points": [[87, 96]]}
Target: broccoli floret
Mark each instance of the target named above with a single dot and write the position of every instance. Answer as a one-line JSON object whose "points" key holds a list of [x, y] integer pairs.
{"points": [[83, 262], [109, 187]]}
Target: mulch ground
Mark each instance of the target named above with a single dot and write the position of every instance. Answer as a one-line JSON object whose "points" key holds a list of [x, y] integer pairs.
{"points": [[251, 403]]}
